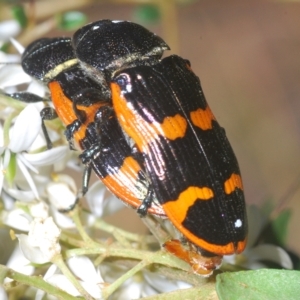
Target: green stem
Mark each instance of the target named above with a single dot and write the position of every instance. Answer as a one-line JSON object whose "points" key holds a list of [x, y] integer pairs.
{"points": [[114, 286], [75, 215], [34, 281], [160, 257], [104, 226], [73, 241]]}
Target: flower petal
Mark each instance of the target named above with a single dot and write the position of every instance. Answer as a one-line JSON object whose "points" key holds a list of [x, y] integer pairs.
{"points": [[131, 289], [60, 281], [20, 48], [84, 269], [162, 284], [3, 294], [17, 219], [60, 195], [101, 201], [1, 175], [95, 290], [41, 244], [23, 196], [28, 178], [9, 29], [13, 75], [9, 58], [50, 272], [37, 88], [33, 254], [19, 263], [39, 210], [26, 129], [48, 157], [62, 220]]}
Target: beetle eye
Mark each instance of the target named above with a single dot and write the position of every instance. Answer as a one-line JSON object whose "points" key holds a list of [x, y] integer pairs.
{"points": [[124, 81]]}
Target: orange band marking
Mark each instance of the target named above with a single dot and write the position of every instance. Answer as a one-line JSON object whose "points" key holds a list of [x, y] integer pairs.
{"points": [[186, 199], [140, 130], [202, 118], [235, 181], [123, 185], [64, 109], [176, 212], [126, 177]]}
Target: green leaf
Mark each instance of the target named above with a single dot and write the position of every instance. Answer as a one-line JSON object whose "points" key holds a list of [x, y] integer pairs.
{"points": [[18, 13], [276, 231], [4, 48], [280, 226], [71, 20], [264, 284], [11, 169], [146, 14]]}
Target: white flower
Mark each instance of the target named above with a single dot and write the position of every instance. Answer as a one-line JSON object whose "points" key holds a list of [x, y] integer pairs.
{"points": [[18, 218], [62, 192], [41, 243], [26, 129]]}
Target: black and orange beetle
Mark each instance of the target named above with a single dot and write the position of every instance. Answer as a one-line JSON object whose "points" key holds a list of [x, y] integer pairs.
{"points": [[126, 107], [160, 105]]}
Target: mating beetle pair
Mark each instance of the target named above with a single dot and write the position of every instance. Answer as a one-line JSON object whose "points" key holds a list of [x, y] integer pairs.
{"points": [[145, 128]]}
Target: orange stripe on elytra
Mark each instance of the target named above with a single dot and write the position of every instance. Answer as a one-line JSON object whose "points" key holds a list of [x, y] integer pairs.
{"points": [[123, 184], [126, 177], [64, 109], [140, 130], [177, 210], [235, 181], [186, 199], [202, 118]]}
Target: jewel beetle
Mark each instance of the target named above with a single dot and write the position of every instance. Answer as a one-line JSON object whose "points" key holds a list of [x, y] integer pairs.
{"points": [[78, 102], [160, 105]]}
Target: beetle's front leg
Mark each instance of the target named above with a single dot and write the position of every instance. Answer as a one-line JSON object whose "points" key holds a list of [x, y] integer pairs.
{"points": [[47, 113]]}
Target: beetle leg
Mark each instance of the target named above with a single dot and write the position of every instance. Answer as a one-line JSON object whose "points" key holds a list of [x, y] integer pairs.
{"points": [[103, 114], [70, 130], [87, 155], [86, 179], [47, 113], [27, 97], [147, 202]]}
